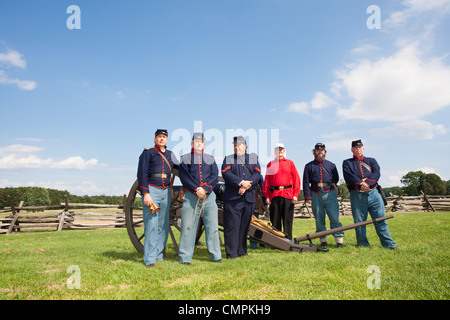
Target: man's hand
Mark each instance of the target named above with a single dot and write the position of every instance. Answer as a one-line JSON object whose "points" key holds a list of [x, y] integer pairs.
{"points": [[201, 193], [242, 190], [147, 199], [365, 187], [246, 184], [308, 201], [294, 200]]}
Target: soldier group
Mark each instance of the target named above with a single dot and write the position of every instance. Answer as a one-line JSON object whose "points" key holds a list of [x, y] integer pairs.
{"points": [[241, 172]]}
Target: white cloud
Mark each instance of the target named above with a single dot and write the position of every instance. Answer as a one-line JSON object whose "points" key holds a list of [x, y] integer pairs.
{"points": [[12, 161], [18, 148], [416, 8], [366, 48], [338, 144], [22, 84], [319, 101], [14, 58], [21, 156], [300, 107], [74, 163], [412, 130], [400, 87]]}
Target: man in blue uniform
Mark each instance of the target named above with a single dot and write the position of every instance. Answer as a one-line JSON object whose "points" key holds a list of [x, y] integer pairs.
{"points": [[199, 174], [242, 173], [361, 175], [154, 170], [319, 188]]}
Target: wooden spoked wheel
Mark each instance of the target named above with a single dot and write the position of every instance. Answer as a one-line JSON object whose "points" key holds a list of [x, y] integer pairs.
{"points": [[134, 219]]}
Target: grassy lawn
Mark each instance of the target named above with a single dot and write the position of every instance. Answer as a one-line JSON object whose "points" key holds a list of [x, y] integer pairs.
{"points": [[34, 266]]}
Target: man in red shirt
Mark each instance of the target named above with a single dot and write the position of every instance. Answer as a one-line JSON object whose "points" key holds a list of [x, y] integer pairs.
{"points": [[281, 189]]}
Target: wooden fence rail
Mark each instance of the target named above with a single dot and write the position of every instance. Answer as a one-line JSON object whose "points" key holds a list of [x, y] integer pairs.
{"points": [[68, 219]]}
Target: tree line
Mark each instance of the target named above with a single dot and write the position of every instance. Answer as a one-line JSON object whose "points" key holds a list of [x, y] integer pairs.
{"points": [[413, 183], [38, 196]]}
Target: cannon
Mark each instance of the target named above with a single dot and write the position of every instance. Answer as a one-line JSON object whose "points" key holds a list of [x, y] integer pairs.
{"points": [[259, 231]]}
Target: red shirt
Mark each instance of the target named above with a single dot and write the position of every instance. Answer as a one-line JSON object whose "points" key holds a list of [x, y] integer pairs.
{"points": [[281, 172]]}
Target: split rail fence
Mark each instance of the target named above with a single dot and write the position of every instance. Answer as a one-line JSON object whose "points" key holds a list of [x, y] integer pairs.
{"points": [[394, 204], [69, 219], [67, 216]]}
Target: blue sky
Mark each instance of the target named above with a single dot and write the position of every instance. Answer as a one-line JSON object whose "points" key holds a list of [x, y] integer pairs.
{"points": [[79, 105]]}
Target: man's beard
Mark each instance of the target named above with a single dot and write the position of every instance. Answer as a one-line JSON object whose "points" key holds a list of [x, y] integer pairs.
{"points": [[320, 157]]}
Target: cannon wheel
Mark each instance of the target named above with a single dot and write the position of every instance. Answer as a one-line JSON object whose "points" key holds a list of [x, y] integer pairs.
{"points": [[134, 220]]}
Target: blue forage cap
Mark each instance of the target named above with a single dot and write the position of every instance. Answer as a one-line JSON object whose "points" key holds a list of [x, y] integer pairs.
{"points": [[161, 131], [239, 140], [357, 143], [198, 135]]}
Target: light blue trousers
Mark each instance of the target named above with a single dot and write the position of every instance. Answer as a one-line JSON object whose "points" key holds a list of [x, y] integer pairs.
{"points": [[326, 203], [190, 215], [370, 202], [156, 225]]}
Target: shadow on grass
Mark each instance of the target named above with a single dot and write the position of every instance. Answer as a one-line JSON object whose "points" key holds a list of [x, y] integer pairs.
{"points": [[123, 255]]}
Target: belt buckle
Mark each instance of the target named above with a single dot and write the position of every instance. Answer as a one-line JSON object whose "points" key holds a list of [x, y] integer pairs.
{"points": [[280, 188], [163, 175], [320, 184]]}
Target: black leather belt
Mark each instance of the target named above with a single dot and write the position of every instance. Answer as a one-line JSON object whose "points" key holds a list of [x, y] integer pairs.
{"points": [[322, 184], [280, 187], [159, 175]]}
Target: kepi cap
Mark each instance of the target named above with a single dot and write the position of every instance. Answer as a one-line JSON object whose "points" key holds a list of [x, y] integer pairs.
{"points": [[161, 131], [198, 135], [319, 146], [357, 143], [239, 140]]}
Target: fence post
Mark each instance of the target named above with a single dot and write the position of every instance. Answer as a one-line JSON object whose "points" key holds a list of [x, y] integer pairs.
{"points": [[426, 203], [120, 219], [66, 200], [15, 216], [61, 220]]}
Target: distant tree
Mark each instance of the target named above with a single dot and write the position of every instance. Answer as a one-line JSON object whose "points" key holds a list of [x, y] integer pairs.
{"points": [[412, 181], [429, 183], [435, 185], [343, 190], [394, 190], [36, 196]]}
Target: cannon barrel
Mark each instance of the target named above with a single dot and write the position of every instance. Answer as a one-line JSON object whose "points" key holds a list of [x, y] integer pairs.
{"points": [[343, 228]]}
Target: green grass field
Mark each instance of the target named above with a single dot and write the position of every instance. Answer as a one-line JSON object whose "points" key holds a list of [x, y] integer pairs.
{"points": [[103, 264]]}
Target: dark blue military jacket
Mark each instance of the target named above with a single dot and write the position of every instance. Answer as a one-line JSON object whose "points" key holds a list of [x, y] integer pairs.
{"points": [[198, 170], [234, 170], [151, 162], [356, 172], [315, 179]]}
